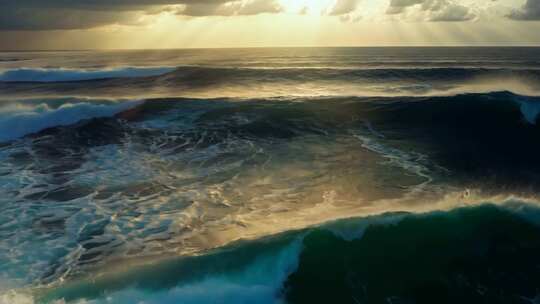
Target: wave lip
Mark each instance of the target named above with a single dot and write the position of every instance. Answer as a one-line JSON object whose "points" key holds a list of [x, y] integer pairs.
{"points": [[70, 75], [19, 120]]}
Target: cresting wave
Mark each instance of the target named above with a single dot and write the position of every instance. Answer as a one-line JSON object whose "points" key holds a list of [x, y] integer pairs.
{"points": [[268, 73], [216, 82], [68, 75], [462, 255], [18, 119]]}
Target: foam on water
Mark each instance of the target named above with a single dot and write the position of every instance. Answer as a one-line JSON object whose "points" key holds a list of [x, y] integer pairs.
{"points": [[67, 75], [413, 162], [14, 297]]}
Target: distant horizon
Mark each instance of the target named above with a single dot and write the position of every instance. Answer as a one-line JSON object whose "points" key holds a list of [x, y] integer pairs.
{"points": [[271, 47]]}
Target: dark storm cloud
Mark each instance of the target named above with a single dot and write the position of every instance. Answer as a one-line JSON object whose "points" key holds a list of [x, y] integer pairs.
{"points": [[83, 14], [98, 4], [60, 18], [434, 10], [231, 8], [398, 6], [529, 11]]}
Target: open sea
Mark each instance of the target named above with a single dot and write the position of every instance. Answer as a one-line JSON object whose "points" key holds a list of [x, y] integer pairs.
{"points": [[270, 176]]}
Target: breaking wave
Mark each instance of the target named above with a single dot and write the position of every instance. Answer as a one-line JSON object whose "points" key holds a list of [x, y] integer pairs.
{"points": [[463, 255], [20, 119]]}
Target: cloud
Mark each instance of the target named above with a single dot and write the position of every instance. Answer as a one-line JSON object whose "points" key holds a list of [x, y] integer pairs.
{"points": [[432, 10], [343, 7], [255, 7], [350, 18], [33, 15], [99, 4], [453, 12], [63, 19], [399, 6], [231, 8], [529, 11]]}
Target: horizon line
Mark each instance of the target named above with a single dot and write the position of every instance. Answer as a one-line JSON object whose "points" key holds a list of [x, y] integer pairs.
{"points": [[271, 47]]}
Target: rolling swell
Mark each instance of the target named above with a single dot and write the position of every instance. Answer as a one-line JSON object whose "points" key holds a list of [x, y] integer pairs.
{"points": [[202, 74], [69, 75], [485, 136], [473, 255], [466, 255], [201, 81]]}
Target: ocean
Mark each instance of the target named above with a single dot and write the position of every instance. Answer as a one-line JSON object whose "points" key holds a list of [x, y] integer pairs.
{"points": [[279, 175]]}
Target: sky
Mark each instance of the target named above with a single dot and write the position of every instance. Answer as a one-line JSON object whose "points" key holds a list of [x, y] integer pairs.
{"points": [[150, 24]]}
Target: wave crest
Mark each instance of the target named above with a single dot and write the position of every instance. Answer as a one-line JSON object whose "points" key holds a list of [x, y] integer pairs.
{"points": [[20, 119], [471, 243]]}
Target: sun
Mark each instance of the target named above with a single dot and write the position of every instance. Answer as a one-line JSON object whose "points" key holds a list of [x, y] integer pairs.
{"points": [[307, 7]]}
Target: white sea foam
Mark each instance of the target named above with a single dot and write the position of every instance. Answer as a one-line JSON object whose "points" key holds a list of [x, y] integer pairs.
{"points": [[63, 75], [18, 120], [410, 161], [13, 297]]}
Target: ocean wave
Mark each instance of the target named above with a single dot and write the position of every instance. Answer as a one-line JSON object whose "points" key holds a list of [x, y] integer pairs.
{"points": [[350, 73], [20, 119], [203, 74], [215, 82], [175, 161], [462, 255], [69, 75]]}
